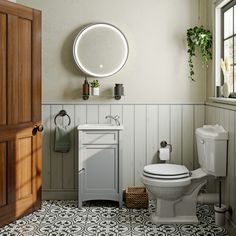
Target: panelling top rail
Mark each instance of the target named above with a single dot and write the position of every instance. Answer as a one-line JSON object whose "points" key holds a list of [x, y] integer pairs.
{"points": [[62, 113]]}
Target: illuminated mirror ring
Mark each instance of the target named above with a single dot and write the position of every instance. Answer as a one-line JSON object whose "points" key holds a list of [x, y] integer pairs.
{"points": [[100, 50]]}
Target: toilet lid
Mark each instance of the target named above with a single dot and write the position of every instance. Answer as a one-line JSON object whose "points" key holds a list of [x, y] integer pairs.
{"points": [[166, 171]]}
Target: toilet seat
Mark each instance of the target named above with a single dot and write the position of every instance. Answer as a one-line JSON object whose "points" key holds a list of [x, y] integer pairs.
{"points": [[166, 171]]}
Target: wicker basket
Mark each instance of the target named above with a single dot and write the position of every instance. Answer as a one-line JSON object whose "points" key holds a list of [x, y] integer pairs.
{"points": [[136, 197]]}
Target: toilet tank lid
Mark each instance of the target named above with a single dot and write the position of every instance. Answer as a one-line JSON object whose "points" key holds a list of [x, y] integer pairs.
{"points": [[166, 169], [212, 132]]}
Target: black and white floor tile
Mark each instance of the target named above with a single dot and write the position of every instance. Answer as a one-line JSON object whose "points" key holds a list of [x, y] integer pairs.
{"points": [[101, 218]]}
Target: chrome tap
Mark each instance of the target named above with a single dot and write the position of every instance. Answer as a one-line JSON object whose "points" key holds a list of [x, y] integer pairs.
{"points": [[115, 118]]}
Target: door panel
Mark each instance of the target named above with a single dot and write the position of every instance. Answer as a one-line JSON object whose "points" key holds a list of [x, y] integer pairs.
{"points": [[3, 69], [3, 177], [25, 45], [24, 165], [36, 66], [12, 70]]}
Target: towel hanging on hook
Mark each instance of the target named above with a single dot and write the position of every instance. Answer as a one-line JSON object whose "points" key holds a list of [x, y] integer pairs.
{"points": [[62, 136]]}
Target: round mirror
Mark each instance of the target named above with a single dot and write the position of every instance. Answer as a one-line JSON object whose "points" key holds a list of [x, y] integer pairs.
{"points": [[100, 50]]}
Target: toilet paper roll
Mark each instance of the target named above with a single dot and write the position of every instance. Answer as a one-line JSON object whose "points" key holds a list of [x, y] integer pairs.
{"points": [[164, 153]]}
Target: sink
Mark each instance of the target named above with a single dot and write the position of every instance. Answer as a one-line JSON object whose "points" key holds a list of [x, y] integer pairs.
{"points": [[100, 127]]}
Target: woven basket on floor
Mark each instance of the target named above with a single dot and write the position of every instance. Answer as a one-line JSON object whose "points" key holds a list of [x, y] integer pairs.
{"points": [[136, 197]]}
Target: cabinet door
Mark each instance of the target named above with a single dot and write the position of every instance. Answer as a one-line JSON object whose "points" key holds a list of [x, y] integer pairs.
{"points": [[100, 163]]}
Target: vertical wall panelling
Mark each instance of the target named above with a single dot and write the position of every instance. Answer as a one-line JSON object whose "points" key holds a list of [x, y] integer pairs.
{"points": [[210, 115], [46, 147], [80, 118], [231, 160], [152, 134], [117, 110], [188, 136], [223, 119], [56, 158], [176, 134], [211, 120], [128, 149], [164, 123], [104, 110], [234, 178], [227, 119], [199, 121], [140, 142], [68, 158], [218, 117], [92, 114], [145, 126], [80, 115]]}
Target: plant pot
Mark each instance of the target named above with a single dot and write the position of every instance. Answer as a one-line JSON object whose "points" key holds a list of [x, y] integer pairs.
{"points": [[95, 91], [220, 214], [225, 90]]}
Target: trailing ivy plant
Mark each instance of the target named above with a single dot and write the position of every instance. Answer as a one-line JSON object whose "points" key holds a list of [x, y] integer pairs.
{"points": [[201, 38]]}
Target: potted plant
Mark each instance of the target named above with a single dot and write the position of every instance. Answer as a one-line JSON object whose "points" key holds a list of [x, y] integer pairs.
{"points": [[201, 38], [95, 88]]}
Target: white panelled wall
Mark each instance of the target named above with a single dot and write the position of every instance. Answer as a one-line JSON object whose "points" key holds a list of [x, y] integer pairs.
{"points": [[145, 126], [218, 114]]}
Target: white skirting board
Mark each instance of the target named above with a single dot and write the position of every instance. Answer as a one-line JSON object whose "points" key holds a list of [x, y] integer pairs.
{"points": [[230, 226]]}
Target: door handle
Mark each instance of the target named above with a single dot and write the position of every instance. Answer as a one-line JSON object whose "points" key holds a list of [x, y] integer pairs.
{"points": [[37, 128], [40, 128]]}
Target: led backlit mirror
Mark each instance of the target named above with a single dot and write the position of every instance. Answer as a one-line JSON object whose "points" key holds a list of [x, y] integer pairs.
{"points": [[100, 50]]}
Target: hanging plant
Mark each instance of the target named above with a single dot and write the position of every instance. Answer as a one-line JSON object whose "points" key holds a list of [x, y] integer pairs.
{"points": [[201, 38]]}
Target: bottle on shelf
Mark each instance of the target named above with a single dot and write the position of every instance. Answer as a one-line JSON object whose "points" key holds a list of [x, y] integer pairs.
{"points": [[86, 89]]}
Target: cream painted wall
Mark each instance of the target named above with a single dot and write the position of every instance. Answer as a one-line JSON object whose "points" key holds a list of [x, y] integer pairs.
{"points": [[157, 68], [210, 83]]}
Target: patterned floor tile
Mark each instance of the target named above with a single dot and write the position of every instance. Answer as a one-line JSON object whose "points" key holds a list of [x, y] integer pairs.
{"points": [[97, 218], [137, 229]]}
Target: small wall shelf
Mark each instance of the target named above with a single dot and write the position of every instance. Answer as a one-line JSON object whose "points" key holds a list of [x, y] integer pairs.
{"points": [[86, 97]]}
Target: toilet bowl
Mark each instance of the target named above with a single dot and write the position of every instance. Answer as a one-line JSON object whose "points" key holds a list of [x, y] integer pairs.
{"points": [[175, 193], [175, 188], [172, 178]]}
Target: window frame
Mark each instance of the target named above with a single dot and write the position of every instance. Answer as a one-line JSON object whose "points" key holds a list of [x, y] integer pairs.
{"points": [[218, 30], [225, 8]]}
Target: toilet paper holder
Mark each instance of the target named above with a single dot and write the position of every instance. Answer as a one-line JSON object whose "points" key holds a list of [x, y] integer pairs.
{"points": [[164, 144]]}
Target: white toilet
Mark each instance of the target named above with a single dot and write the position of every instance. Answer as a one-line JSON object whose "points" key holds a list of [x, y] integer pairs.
{"points": [[176, 188]]}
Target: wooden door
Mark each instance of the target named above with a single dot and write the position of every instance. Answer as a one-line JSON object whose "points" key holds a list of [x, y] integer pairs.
{"points": [[20, 111]]}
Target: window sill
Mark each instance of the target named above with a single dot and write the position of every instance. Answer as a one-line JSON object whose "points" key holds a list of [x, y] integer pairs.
{"points": [[229, 101]]}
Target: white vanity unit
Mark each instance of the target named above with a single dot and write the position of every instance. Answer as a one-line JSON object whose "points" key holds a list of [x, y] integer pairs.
{"points": [[100, 162]]}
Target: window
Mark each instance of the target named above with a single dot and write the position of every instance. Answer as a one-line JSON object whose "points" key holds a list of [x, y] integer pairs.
{"points": [[229, 42]]}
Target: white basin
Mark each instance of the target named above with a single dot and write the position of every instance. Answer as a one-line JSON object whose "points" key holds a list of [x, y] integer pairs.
{"points": [[100, 127]]}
